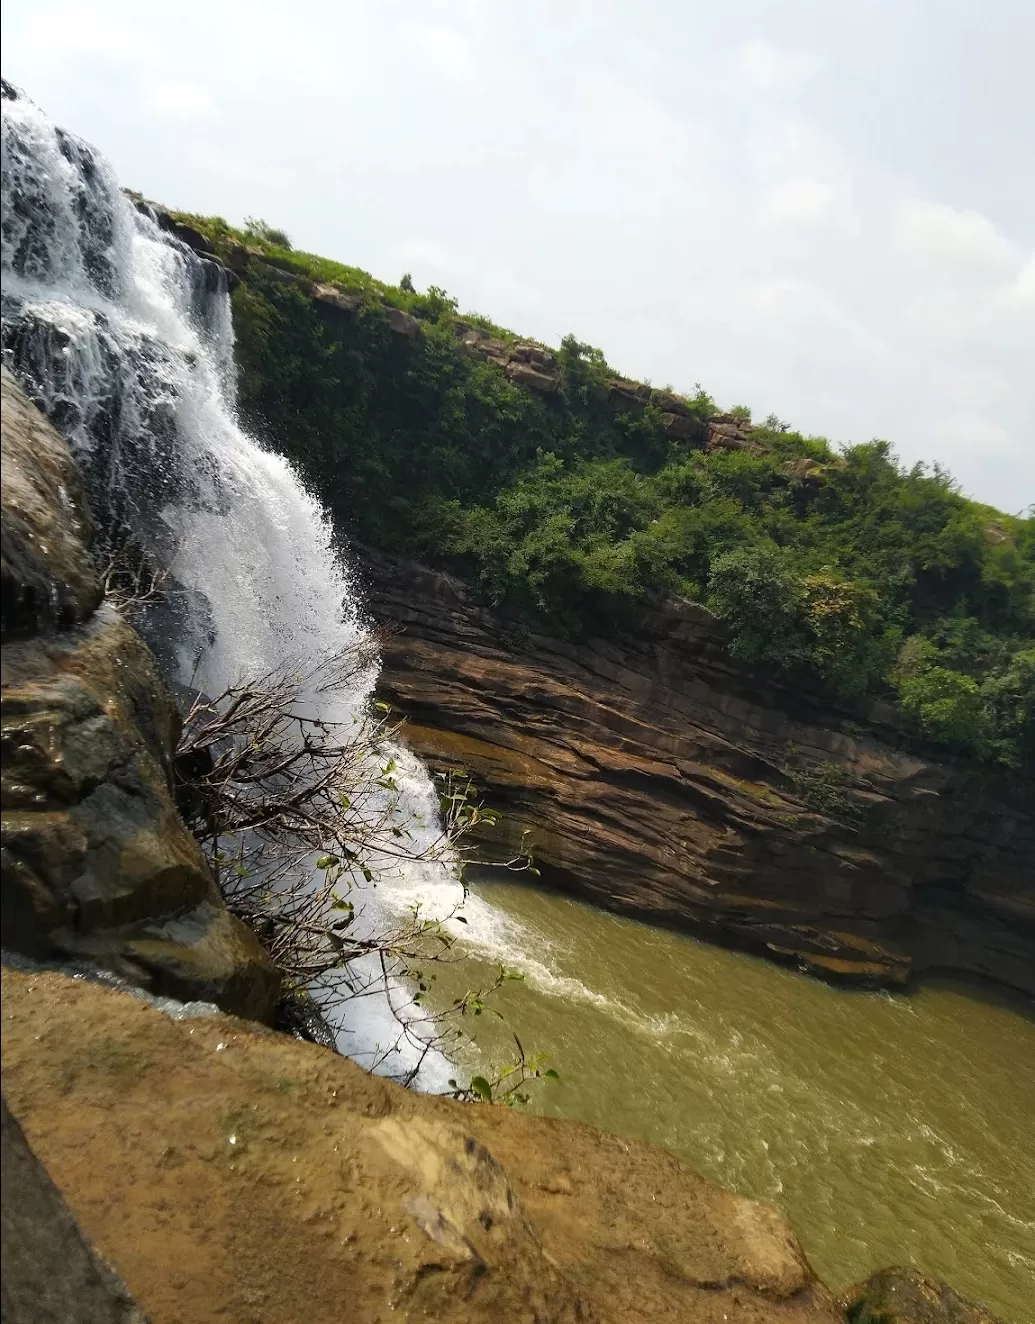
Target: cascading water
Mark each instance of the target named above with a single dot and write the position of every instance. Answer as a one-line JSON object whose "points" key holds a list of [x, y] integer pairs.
{"points": [[123, 336]]}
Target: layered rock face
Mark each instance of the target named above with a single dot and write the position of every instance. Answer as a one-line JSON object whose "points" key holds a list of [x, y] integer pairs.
{"points": [[229, 1172], [96, 861], [655, 776]]}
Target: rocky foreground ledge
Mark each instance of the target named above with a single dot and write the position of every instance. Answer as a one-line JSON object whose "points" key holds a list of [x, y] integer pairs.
{"points": [[229, 1172], [655, 776]]}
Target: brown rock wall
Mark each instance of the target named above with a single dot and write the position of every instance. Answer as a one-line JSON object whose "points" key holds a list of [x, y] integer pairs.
{"points": [[656, 777]]}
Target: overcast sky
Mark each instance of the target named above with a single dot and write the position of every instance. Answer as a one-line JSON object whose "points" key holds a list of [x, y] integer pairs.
{"points": [[817, 208]]}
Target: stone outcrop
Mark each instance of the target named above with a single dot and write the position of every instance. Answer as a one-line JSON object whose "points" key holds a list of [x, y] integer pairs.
{"points": [[49, 1272], [524, 362], [656, 777], [907, 1296], [96, 862], [229, 1172], [730, 432]]}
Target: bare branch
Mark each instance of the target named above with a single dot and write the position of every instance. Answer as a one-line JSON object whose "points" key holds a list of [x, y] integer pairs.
{"points": [[297, 810]]}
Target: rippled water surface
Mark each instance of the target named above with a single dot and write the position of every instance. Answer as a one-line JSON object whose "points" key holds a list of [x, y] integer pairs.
{"points": [[889, 1128]]}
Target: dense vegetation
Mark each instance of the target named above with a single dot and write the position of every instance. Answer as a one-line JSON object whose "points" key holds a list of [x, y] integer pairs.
{"points": [[842, 564]]}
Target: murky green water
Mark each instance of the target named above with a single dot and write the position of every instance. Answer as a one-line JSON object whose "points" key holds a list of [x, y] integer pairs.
{"points": [[890, 1129]]}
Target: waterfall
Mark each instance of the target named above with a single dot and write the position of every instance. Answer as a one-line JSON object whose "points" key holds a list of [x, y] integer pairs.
{"points": [[123, 336]]}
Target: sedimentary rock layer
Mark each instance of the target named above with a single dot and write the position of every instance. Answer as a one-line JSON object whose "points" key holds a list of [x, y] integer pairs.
{"points": [[655, 776]]}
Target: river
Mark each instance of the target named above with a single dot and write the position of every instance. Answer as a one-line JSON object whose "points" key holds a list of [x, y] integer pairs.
{"points": [[889, 1128]]}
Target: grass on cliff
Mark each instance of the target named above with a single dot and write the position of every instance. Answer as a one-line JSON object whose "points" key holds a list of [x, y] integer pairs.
{"points": [[837, 567]]}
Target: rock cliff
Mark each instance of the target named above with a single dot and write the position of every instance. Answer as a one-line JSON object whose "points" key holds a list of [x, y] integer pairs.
{"points": [[96, 861], [230, 1172], [655, 776]]}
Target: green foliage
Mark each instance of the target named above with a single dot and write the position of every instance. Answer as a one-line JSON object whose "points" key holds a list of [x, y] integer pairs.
{"points": [[1008, 704], [755, 591], [825, 788], [945, 705], [508, 1084], [264, 233], [578, 505]]}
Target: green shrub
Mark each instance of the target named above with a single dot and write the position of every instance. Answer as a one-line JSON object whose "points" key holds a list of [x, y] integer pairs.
{"points": [[945, 705], [755, 591]]}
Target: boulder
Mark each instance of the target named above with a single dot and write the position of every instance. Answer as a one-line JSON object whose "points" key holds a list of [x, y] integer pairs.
{"points": [[47, 577], [670, 403], [402, 323], [526, 352], [680, 427], [240, 255], [802, 469], [728, 432], [636, 393], [524, 374], [335, 297], [907, 1296]]}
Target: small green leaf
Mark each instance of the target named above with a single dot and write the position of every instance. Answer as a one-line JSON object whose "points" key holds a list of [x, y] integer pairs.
{"points": [[327, 861], [481, 1087]]}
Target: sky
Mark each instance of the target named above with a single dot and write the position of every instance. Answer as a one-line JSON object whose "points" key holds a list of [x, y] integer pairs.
{"points": [[822, 209]]}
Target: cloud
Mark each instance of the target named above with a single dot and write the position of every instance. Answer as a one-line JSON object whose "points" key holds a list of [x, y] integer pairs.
{"points": [[84, 31], [798, 201], [445, 49], [768, 67], [815, 318], [181, 101], [1023, 290], [953, 237]]}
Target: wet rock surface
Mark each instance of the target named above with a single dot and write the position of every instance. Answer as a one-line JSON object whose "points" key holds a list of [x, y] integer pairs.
{"points": [[654, 776], [47, 579], [906, 1296], [96, 861], [231, 1172]]}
